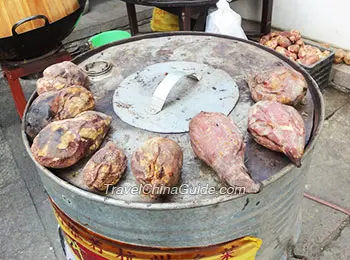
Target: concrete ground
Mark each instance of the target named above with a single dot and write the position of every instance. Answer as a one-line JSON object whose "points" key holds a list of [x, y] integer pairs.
{"points": [[29, 230]]}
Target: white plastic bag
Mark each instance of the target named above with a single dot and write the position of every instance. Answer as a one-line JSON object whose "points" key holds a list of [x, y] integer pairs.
{"points": [[225, 21]]}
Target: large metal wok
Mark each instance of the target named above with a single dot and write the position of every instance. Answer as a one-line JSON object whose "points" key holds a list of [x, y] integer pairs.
{"points": [[39, 41]]}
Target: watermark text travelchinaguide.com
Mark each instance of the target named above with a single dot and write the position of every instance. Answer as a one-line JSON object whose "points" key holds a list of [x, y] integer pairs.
{"points": [[184, 189]]}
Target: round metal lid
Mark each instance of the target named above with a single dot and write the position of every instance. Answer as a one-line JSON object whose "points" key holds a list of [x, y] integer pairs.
{"points": [[165, 96]]}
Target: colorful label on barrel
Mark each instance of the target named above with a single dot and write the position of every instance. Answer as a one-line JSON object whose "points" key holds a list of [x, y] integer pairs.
{"points": [[87, 245]]}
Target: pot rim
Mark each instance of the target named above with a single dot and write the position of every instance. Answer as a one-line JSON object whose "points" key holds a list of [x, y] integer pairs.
{"points": [[318, 121]]}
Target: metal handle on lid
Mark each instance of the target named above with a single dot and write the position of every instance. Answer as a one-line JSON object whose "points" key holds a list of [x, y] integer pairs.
{"points": [[163, 89]]}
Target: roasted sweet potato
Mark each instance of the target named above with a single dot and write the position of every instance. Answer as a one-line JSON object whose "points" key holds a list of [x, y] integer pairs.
{"points": [[339, 56], [309, 55], [279, 84], [290, 44], [278, 127], [272, 44], [309, 60], [283, 41], [94, 129], [300, 42], [294, 48], [57, 105], [274, 34], [292, 56], [63, 143], [286, 53], [157, 165], [284, 38], [217, 141], [265, 39], [62, 75], [294, 36], [105, 167], [282, 50], [347, 58]]}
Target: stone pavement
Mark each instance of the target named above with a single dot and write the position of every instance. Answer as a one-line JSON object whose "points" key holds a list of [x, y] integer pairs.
{"points": [[324, 229], [340, 77], [29, 230]]}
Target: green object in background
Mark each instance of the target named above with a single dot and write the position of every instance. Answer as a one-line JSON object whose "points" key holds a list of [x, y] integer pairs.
{"points": [[77, 22], [108, 37]]}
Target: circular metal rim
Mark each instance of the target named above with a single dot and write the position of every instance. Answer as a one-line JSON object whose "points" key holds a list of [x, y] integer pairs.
{"points": [[318, 118], [99, 73]]}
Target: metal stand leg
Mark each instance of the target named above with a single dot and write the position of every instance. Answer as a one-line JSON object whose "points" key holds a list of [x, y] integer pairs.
{"points": [[185, 19], [201, 21], [266, 16], [134, 29], [17, 94]]}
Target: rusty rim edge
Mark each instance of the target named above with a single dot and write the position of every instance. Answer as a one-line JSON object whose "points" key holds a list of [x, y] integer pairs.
{"points": [[318, 121]]}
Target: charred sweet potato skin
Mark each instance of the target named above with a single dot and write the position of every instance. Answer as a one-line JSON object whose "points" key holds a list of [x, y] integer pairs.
{"points": [[105, 167], [63, 143], [157, 163], [217, 141], [279, 128], [73, 101], [280, 84], [57, 105], [40, 113], [62, 75], [94, 129]]}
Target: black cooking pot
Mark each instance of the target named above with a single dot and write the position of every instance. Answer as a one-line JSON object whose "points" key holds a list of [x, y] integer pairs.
{"points": [[39, 41]]}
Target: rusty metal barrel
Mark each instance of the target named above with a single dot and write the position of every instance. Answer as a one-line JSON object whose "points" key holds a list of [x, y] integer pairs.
{"points": [[196, 225]]}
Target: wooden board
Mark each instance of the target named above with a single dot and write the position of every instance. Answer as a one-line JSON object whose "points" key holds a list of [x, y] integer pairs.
{"points": [[12, 11]]}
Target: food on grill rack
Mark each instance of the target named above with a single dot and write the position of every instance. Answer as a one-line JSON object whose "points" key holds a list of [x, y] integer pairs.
{"points": [[63, 143], [57, 105], [278, 127], [339, 56], [217, 141], [105, 167], [290, 44], [279, 84], [62, 75], [157, 165]]}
